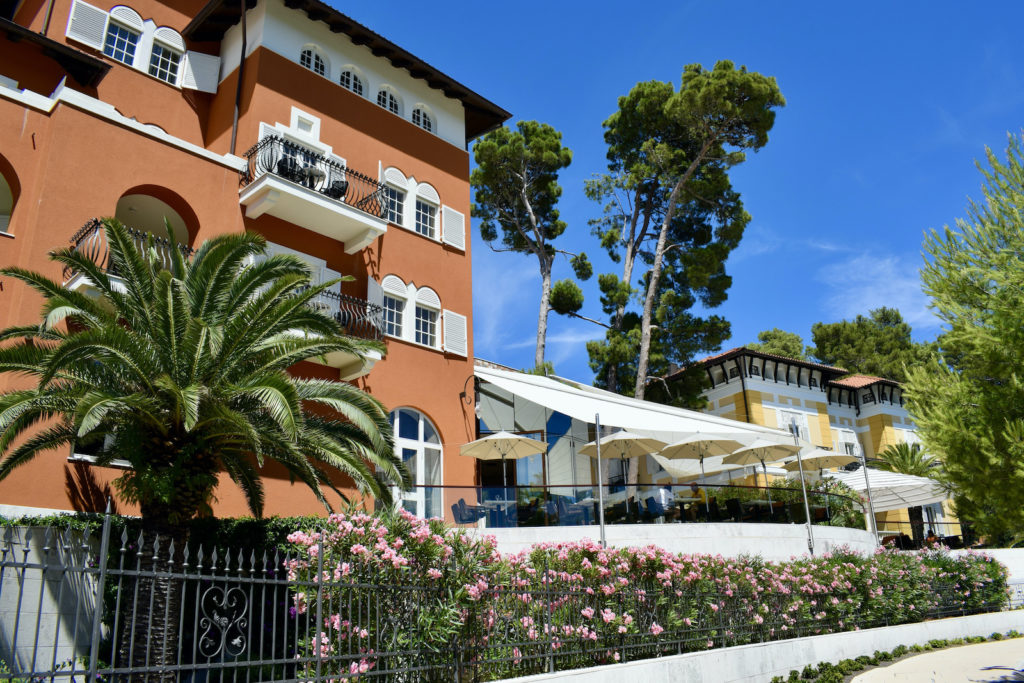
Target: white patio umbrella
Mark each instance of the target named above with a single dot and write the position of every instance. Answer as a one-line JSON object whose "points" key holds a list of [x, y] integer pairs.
{"points": [[701, 445], [821, 459], [625, 445], [762, 451], [503, 446]]}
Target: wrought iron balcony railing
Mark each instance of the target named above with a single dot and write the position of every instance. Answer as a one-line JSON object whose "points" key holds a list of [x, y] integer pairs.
{"points": [[358, 317], [304, 167], [91, 239]]}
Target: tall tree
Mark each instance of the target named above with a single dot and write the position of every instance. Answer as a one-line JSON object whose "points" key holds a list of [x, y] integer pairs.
{"points": [[183, 373], [878, 344], [909, 459], [670, 207], [516, 194], [969, 405], [781, 343]]}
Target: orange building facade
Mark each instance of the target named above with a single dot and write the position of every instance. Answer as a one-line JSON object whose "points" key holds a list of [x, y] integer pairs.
{"points": [[333, 143]]}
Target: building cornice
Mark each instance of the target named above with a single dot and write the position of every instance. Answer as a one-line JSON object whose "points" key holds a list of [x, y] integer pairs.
{"points": [[482, 115]]}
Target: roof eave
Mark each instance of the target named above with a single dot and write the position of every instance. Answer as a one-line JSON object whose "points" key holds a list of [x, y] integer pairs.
{"points": [[482, 115]]}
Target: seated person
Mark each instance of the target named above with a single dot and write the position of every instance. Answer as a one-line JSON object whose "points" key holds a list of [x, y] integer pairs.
{"points": [[692, 507], [931, 538]]}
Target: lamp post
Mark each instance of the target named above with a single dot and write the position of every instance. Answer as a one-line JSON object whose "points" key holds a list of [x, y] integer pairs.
{"points": [[600, 479], [807, 507], [871, 505]]}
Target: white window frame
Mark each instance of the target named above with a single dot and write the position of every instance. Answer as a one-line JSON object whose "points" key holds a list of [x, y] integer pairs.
{"points": [[390, 96], [429, 213], [787, 419], [417, 497], [316, 53], [113, 23], [430, 319], [399, 314], [162, 47], [354, 76], [422, 118]]}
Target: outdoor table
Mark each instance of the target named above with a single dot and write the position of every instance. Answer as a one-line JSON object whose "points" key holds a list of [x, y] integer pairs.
{"points": [[312, 175]]}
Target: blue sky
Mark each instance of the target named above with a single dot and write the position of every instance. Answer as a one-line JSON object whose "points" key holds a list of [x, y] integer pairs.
{"points": [[889, 106]]}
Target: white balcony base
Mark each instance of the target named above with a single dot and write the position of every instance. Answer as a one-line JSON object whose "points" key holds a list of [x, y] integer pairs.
{"points": [[307, 208], [350, 366], [81, 283]]}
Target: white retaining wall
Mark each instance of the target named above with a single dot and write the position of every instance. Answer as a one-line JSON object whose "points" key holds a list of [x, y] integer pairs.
{"points": [[770, 541], [761, 661], [56, 605]]}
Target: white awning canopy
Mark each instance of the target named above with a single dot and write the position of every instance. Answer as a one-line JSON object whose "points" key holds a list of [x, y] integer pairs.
{"points": [[582, 402], [892, 491]]}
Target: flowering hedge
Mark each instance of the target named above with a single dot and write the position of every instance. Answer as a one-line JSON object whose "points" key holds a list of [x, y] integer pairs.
{"points": [[403, 593]]}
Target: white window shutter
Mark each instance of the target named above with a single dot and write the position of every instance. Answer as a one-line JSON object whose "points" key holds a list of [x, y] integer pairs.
{"points": [[453, 228], [201, 72], [374, 293], [87, 25], [456, 339]]}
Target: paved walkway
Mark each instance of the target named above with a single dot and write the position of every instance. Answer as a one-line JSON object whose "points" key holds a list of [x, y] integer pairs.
{"points": [[955, 665]]}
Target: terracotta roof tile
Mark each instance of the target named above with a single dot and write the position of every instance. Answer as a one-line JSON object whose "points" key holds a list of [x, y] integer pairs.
{"points": [[861, 381]]}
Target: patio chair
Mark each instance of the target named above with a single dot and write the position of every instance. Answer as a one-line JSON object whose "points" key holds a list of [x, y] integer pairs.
{"points": [[655, 509], [615, 513], [337, 189], [735, 510], [288, 168], [463, 514], [568, 515]]}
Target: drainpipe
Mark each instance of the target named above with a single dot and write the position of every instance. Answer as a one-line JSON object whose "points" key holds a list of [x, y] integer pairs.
{"points": [[238, 88]]}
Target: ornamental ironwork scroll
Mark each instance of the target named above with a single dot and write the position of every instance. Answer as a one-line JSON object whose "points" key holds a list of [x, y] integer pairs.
{"points": [[223, 621]]}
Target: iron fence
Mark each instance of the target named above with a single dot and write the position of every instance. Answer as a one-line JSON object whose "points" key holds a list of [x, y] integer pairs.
{"points": [[74, 607], [295, 163]]}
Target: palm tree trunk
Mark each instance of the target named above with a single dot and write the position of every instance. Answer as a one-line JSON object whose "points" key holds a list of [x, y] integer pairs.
{"points": [[151, 600]]}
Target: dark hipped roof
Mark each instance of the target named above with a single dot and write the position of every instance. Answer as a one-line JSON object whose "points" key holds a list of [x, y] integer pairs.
{"points": [[85, 69], [742, 350], [482, 115]]}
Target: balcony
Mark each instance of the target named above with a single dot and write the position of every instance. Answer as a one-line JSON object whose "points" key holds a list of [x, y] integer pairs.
{"points": [[292, 183], [358, 318], [91, 239]]}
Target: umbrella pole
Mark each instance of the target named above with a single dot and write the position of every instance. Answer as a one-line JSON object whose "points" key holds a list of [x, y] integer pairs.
{"points": [[771, 508], [707, 499], [625, 489], [504, 488], [600, 488], [807, 507]]}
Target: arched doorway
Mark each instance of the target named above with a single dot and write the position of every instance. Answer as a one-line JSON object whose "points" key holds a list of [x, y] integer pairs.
{"points": [[417, 442], [146, 213], [9, 190]]}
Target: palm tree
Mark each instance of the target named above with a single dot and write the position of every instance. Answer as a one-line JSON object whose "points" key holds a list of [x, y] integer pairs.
{"points": [[909, 459], [180, 367]]}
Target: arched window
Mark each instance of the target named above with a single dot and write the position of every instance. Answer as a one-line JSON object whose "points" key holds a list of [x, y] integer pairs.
{"points": [[7, 198], [387, 99], [123, 32], [312, 60], [421, 118], [428, 309], [350, 80], [417, 441]]}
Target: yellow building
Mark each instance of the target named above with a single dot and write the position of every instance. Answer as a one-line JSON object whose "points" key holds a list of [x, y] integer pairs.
{"points": [[822, 404]]}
